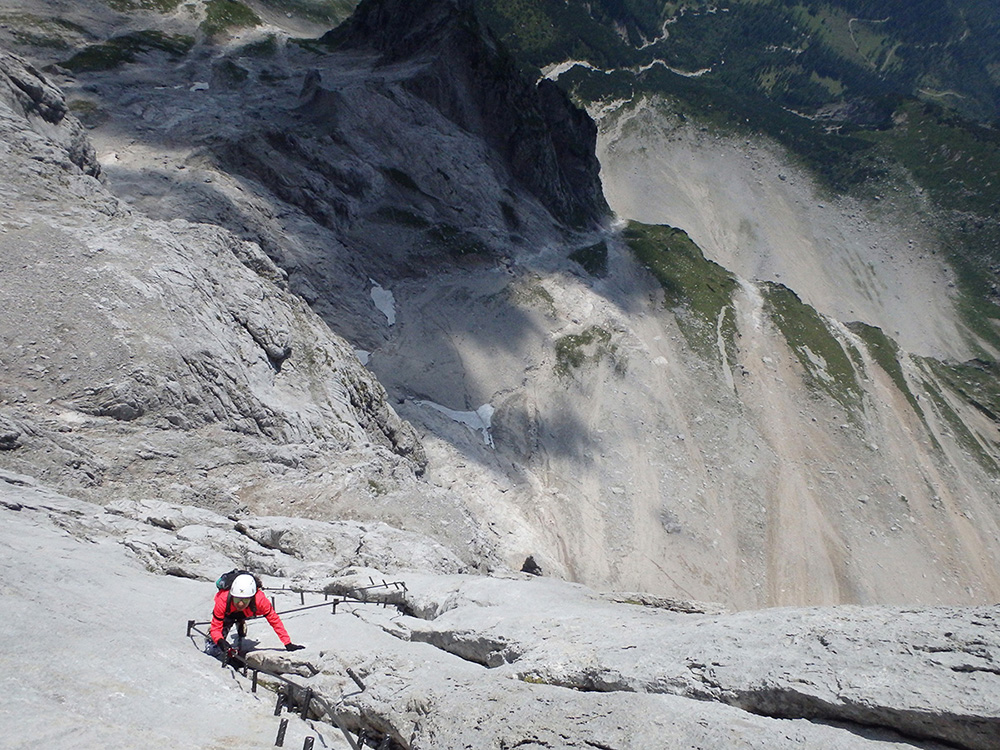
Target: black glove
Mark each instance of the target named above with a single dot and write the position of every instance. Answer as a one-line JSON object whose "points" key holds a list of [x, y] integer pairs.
{"points": [[292, 647], [223, 645]]}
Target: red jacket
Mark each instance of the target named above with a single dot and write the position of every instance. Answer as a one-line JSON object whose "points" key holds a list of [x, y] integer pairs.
{"points": [[259, 607]]}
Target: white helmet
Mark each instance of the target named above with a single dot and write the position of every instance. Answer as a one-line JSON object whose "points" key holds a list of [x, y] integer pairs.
{"points": [[244, 587]]}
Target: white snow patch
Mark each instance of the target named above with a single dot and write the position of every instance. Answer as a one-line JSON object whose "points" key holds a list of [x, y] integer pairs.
{"points": [[362, 356], [384, 301], [479, 420], [199, 86]]}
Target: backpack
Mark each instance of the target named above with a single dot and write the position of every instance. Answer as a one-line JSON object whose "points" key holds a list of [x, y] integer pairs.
{"points": [[226, 579]]}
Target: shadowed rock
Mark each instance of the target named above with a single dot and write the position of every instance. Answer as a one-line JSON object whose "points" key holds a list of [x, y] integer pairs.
{"points": [[546, 143]]}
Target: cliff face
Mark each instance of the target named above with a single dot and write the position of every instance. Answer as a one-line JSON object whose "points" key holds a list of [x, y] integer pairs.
{"points": [[544, 142], [182, 344], [32, 98], [168, 358]]}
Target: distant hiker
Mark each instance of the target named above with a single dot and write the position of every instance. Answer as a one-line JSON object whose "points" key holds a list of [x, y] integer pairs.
{"points": [[240, 597]]}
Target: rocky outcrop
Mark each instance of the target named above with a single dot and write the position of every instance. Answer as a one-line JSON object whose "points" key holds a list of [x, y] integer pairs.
{"points": [[335, 546], [191, 542], [544, 141], [28, 93], [485, 662], [174, 338], [10, 435], [928, 674]]}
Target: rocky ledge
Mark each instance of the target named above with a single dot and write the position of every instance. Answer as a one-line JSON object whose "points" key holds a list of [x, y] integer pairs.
{"points": [[459, 660]]}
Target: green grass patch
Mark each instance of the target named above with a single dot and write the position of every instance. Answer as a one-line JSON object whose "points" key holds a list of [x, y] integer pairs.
{"points": [[24, 20], [313, 46], [828, 367], [89, 113], [886, 354], [124, 49], [266, 47], [957, 161], [38, 31], [531, 293], [39, 40], [590, 346], [593, 259], [527, 19], [533, 679], [232, 73], [976, 383], [700, 290], [975, 304], [840, 160], [224, 15]]}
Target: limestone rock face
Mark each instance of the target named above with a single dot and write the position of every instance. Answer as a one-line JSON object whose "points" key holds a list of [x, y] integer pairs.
{"points": [[142, 355], [919, 672], [29, 94], [9, 435], [565, 411], [470, 661], [543, 140], [339, 545]]}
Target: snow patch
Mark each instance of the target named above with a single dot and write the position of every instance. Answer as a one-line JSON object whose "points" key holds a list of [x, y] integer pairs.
{"points": [[384, 301], [479, 420]]}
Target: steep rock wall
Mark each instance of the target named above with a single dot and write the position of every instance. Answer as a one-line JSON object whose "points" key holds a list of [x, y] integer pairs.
{"points": [[543, 140], [176, 340]]}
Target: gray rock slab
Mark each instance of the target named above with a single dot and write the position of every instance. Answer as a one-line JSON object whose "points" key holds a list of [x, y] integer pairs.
{"points": [[423, 699], [930, 673], [346, 543]]}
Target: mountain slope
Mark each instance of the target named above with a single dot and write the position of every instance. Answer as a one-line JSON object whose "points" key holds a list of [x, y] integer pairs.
{"points": [[837, 59], [177, 339], [606, 400]]}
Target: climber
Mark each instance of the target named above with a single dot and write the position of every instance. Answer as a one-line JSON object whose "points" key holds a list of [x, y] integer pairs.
{"points": [[237, 603]]}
